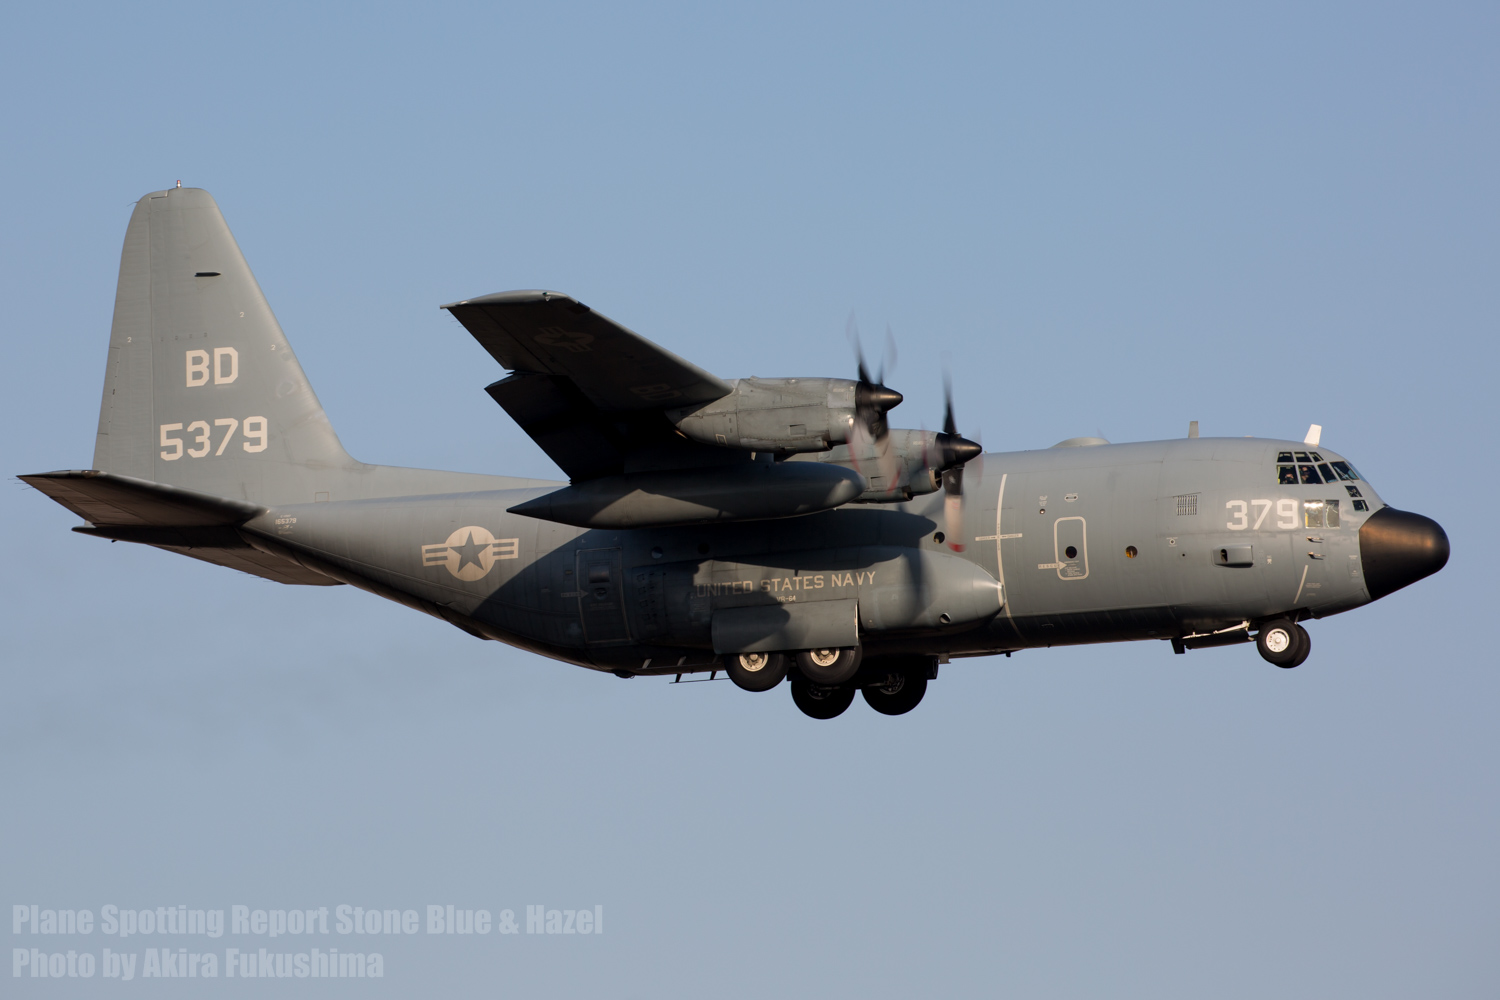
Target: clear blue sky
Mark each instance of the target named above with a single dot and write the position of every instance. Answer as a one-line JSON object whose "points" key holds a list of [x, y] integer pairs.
{"points": [[1116, 220]]}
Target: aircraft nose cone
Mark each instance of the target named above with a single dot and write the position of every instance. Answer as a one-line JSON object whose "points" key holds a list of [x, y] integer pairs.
{"points": [[1398, 548], [878, 397]]}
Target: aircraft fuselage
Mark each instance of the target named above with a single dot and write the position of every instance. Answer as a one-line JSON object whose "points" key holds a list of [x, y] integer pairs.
{"points": [[1105, 543]]}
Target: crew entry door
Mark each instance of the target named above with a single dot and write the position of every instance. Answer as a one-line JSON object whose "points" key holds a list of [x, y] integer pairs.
{"points": [[1070, 541], [601, 599]]}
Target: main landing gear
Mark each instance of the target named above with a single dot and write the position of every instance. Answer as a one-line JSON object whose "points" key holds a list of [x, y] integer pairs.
{"points": [[1284, 643], [756, 671], [820, 668], [896, 689], [825, 681], [821, 701], [828, 667]]}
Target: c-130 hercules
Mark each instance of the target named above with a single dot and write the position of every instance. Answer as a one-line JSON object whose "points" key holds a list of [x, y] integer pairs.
{"points": [[767, 527]]}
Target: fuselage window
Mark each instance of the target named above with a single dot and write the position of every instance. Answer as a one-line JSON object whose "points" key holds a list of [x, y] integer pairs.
{"points": [[1302, 457], [1285, 456], [1320, 513], [1361, 505], [1286, 475], [1345, 471], [1309, 474], [1354, 491]]}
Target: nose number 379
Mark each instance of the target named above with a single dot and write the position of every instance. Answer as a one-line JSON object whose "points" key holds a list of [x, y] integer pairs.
{"points": [[1240, 513]]}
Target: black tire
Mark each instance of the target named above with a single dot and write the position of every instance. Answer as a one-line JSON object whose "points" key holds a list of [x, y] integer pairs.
{"points": [[1279, 642], [821, 701], [896, 691], [755, 671], [1304, 647], [829, 666]]}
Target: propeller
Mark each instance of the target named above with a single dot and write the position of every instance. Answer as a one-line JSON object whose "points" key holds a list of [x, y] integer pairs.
{"points": [[872, 399], [955, 451]]}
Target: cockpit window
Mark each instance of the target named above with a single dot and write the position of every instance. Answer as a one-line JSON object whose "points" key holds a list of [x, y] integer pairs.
{"points": [[1310, 469], [1320, 513]]}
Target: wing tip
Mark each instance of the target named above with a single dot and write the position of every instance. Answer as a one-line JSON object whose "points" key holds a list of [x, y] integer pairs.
{"points": [[525, 296]]}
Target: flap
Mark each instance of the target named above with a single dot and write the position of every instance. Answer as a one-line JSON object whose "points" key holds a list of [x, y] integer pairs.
{"points": [[616, 369], [106, 498], [780, 627], [568, 427]]}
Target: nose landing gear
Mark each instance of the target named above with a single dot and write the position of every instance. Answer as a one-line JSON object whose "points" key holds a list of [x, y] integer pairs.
{"points": [[1283, 643]]}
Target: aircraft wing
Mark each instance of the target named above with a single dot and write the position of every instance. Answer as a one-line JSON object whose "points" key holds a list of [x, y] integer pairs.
{"points": [[589, 391], [614, 368]]}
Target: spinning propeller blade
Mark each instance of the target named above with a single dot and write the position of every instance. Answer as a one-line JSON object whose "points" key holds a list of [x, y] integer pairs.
{"points": [[871, 401], [955, 451]]}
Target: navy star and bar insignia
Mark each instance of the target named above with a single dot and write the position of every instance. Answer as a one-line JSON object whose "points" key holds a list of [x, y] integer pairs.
{"points": [[471, 552]]}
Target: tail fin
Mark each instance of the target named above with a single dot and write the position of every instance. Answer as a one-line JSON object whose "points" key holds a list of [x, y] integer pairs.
{"points": [[202, 389]]}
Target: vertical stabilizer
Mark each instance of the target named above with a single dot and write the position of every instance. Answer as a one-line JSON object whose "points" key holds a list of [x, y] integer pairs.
{"points": [[202, 389]]}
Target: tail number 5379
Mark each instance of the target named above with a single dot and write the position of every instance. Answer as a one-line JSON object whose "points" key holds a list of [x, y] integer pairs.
{"points": [[200, 436]]}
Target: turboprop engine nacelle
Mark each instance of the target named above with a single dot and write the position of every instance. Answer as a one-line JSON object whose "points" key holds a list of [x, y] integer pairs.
{"points": [[912, 463], [785, 415]]}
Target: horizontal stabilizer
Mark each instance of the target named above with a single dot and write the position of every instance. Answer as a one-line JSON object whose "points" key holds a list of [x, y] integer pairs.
{"points": [[127, 509], [221, 545], [107, 498]]}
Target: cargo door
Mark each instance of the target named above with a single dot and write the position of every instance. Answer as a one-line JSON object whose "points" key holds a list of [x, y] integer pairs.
{"points": [[601, 603]]}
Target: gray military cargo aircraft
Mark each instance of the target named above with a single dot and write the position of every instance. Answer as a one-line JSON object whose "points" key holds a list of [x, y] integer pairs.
{"points": [[771, 528]]}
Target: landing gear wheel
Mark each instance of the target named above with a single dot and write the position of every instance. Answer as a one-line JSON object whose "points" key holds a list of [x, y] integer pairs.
{"points": [[821, 701], [896, 691], [755, 671], [1304, 646], [828, 666], [1280, 643]]}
